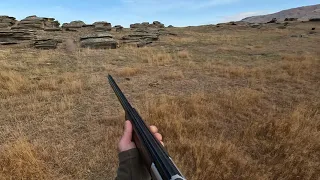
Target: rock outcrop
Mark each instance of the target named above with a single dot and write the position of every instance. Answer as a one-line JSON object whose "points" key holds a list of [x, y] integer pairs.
{"points": [[158, 24], [291, 19], [100, 40], [273, 20], [118, 28], [15, 36], [314, 19], [73, 24], [46, 43], [34, 22], [102, 26], [7, 21], [155, 24], [139, 39]]}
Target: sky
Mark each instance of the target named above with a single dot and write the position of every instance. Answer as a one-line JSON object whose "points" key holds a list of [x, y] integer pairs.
{"points": [[169, 12]]}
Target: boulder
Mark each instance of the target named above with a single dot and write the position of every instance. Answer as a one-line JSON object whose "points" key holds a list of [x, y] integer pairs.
{"points": [[73, 24], [135, 25], [102, 26], [291, 19], [98, 41], [118, 28], [46, 43], [273, 20], [158, 24], [170, 26], [314, 19]]}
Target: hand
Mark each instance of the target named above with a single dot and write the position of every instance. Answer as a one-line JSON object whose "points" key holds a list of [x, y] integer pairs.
{"points": [[126, 142]]}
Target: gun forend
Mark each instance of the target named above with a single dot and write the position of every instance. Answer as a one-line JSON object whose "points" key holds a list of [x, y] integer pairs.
{"points": [[155, 157]]}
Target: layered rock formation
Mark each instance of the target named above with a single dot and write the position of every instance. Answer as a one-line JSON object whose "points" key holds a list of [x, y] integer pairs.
{"points": [[102, 26], [15, 36], [99, 40], [46, 43], [155, 24], [7, 21], [73, 24], [34, 22]]}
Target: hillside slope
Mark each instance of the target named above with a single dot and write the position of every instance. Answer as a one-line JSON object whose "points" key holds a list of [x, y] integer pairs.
{"points": [[302, 13]]}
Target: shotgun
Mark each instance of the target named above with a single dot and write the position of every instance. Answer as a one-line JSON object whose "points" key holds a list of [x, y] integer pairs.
{"points": [[155, 157]]}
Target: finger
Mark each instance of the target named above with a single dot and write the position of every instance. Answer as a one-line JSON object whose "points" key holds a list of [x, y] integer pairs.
{"points": [[158, 136], [127, 134], [153, 129]]}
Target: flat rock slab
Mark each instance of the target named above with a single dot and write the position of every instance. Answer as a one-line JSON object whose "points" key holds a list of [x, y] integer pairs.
{"points": [[13, 35], [96, 35], [152, 37], [8, 43], [99, 43], [46, 43], [52, 29]]}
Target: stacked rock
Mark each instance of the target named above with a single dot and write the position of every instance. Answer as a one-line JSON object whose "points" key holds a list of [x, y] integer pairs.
{"points": [[102, 26], [155, 24], [99, 40], [8, 37], [34, 22]]}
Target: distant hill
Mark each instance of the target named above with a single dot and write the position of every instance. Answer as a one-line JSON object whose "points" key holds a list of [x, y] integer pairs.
{"points": [[302, 13]]}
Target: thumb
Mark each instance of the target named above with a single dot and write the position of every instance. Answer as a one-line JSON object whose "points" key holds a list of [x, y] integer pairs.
{"points": [[127, 134]]}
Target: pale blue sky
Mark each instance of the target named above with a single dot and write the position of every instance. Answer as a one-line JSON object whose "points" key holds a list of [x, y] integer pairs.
{"points": [[125, 12]]}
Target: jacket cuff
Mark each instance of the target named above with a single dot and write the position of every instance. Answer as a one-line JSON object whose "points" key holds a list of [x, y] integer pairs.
{"points": [[129, 154]]}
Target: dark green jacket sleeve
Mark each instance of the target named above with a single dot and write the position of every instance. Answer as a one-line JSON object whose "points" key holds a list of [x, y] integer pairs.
{"points": [[131, 167]]}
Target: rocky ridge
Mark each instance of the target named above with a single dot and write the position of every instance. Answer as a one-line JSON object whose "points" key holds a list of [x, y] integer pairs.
{"points": [[304, 13]]}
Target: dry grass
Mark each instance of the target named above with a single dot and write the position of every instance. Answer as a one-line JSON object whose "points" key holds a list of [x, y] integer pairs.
{"points": [[19, 160], [183, 54], [230, 103], [128, 71], [175, 74], [11, 83]]}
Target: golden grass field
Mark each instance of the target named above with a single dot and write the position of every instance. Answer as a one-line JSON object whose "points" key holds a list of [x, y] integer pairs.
{"points": [[231, 103]]}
